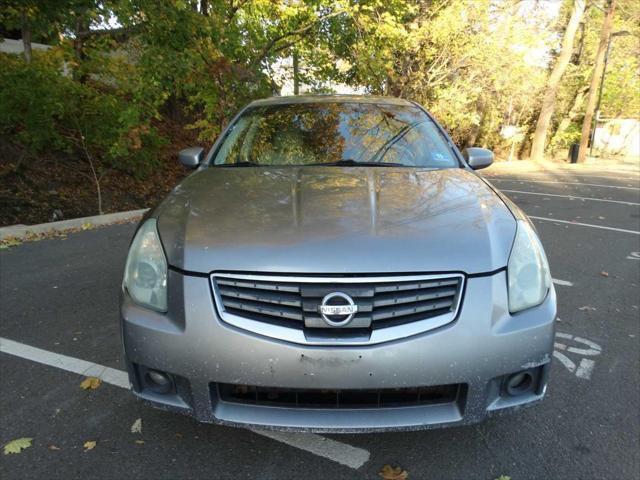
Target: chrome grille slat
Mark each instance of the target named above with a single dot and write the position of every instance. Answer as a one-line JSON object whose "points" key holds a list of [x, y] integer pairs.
{"points": [[315, 321], [265, 309], [354, 290], [263, 286], [419, 296], [415, 286], [384, 302], [288, 299], [394, 312]]}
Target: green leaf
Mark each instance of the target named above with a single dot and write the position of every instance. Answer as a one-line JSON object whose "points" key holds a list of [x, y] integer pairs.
{"points": [[17, 445]]}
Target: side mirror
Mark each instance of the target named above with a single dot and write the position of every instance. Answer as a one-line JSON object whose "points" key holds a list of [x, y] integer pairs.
{"points": [[191, 157], [478, 158]]}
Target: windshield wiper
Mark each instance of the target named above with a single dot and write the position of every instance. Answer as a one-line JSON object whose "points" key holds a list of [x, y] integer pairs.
{"points": [[339, 163], [353, 163], [241, 164]]}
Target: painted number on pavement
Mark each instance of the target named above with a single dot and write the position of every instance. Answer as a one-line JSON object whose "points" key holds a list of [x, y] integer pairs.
{"points": [[577, 346]]}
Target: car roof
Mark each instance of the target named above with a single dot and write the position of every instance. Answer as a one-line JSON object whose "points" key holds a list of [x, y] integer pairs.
{"points": [[291, 99]]}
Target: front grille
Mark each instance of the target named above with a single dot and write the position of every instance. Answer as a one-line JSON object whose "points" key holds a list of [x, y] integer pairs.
{"points": [[339, 399], [293, 301]]}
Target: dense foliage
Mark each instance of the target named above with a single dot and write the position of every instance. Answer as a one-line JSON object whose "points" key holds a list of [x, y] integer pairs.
{"points": [[120, 71]]}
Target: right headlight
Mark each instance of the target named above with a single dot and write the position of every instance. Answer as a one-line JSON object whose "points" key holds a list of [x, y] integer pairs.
{"points": [[145, 275], [528, 270]]}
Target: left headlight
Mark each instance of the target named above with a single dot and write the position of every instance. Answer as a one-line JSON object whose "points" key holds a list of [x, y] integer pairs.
{"points": [[528, 270], [145, 275]]}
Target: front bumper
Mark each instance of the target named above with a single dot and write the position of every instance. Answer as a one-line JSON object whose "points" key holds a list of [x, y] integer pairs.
{"points": [[477, 351]]}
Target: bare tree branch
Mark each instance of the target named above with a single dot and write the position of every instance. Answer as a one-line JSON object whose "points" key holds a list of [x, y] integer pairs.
{"points": [[298, 32], [114, 32], [94, 174]]}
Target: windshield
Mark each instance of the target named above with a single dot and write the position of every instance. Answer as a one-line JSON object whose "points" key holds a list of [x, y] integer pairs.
{"points": [[347, 134]]}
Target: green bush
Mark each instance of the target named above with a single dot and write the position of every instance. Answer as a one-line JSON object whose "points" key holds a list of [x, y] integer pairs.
{"points": [[44, 110], [565, 139]]}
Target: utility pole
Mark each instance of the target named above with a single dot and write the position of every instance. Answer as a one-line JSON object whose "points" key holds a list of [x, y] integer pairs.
{"points": [[596, 76], [604, 72], [596, 117]]}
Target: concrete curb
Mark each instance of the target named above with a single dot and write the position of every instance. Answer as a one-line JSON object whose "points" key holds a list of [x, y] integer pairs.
{"points": [[22, 231]]}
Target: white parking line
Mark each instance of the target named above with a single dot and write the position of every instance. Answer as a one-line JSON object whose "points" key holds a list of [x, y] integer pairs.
{"points": [[333, 450], [502, 179], [631, 176], [323, 447], [572, 197], [585, 225], [70, 364], [564, 283]]}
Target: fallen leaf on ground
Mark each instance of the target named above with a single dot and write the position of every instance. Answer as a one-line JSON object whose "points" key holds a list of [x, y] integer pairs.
{"points": [[504, 477], [179, 435], [9, 242], [17, 445], [53, 447], [393, 473], [90, 383], [587, 308], [604, 274], [87, 226], [90, 445], [140, 442], [137, 426]]}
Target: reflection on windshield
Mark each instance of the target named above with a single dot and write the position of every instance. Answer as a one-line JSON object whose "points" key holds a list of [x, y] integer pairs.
{"points": [[340, 134]]}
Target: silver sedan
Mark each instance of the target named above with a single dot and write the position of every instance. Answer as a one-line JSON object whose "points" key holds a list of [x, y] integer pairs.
{"points": [[334, 263]]}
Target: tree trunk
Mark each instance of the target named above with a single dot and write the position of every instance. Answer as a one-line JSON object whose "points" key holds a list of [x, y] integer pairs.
{"points": [[551, 92], [82, 24], [296, 73], [573, 112], [577, 56], [598, 69], [26, 36], [204, 7], [173, 107], [474, 133]]}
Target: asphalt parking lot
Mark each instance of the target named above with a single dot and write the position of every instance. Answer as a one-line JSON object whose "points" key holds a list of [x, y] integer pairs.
{"points": [[61, 296]]}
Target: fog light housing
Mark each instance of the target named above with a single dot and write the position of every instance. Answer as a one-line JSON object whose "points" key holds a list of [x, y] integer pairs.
{"points": [[519, 383], [157, 381]]}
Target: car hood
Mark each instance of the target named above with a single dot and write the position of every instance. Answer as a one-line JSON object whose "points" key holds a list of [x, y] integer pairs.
{"points": [[335, 220]]}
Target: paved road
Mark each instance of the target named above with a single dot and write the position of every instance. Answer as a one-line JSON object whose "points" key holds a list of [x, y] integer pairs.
{"points": [[61, 296]]}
